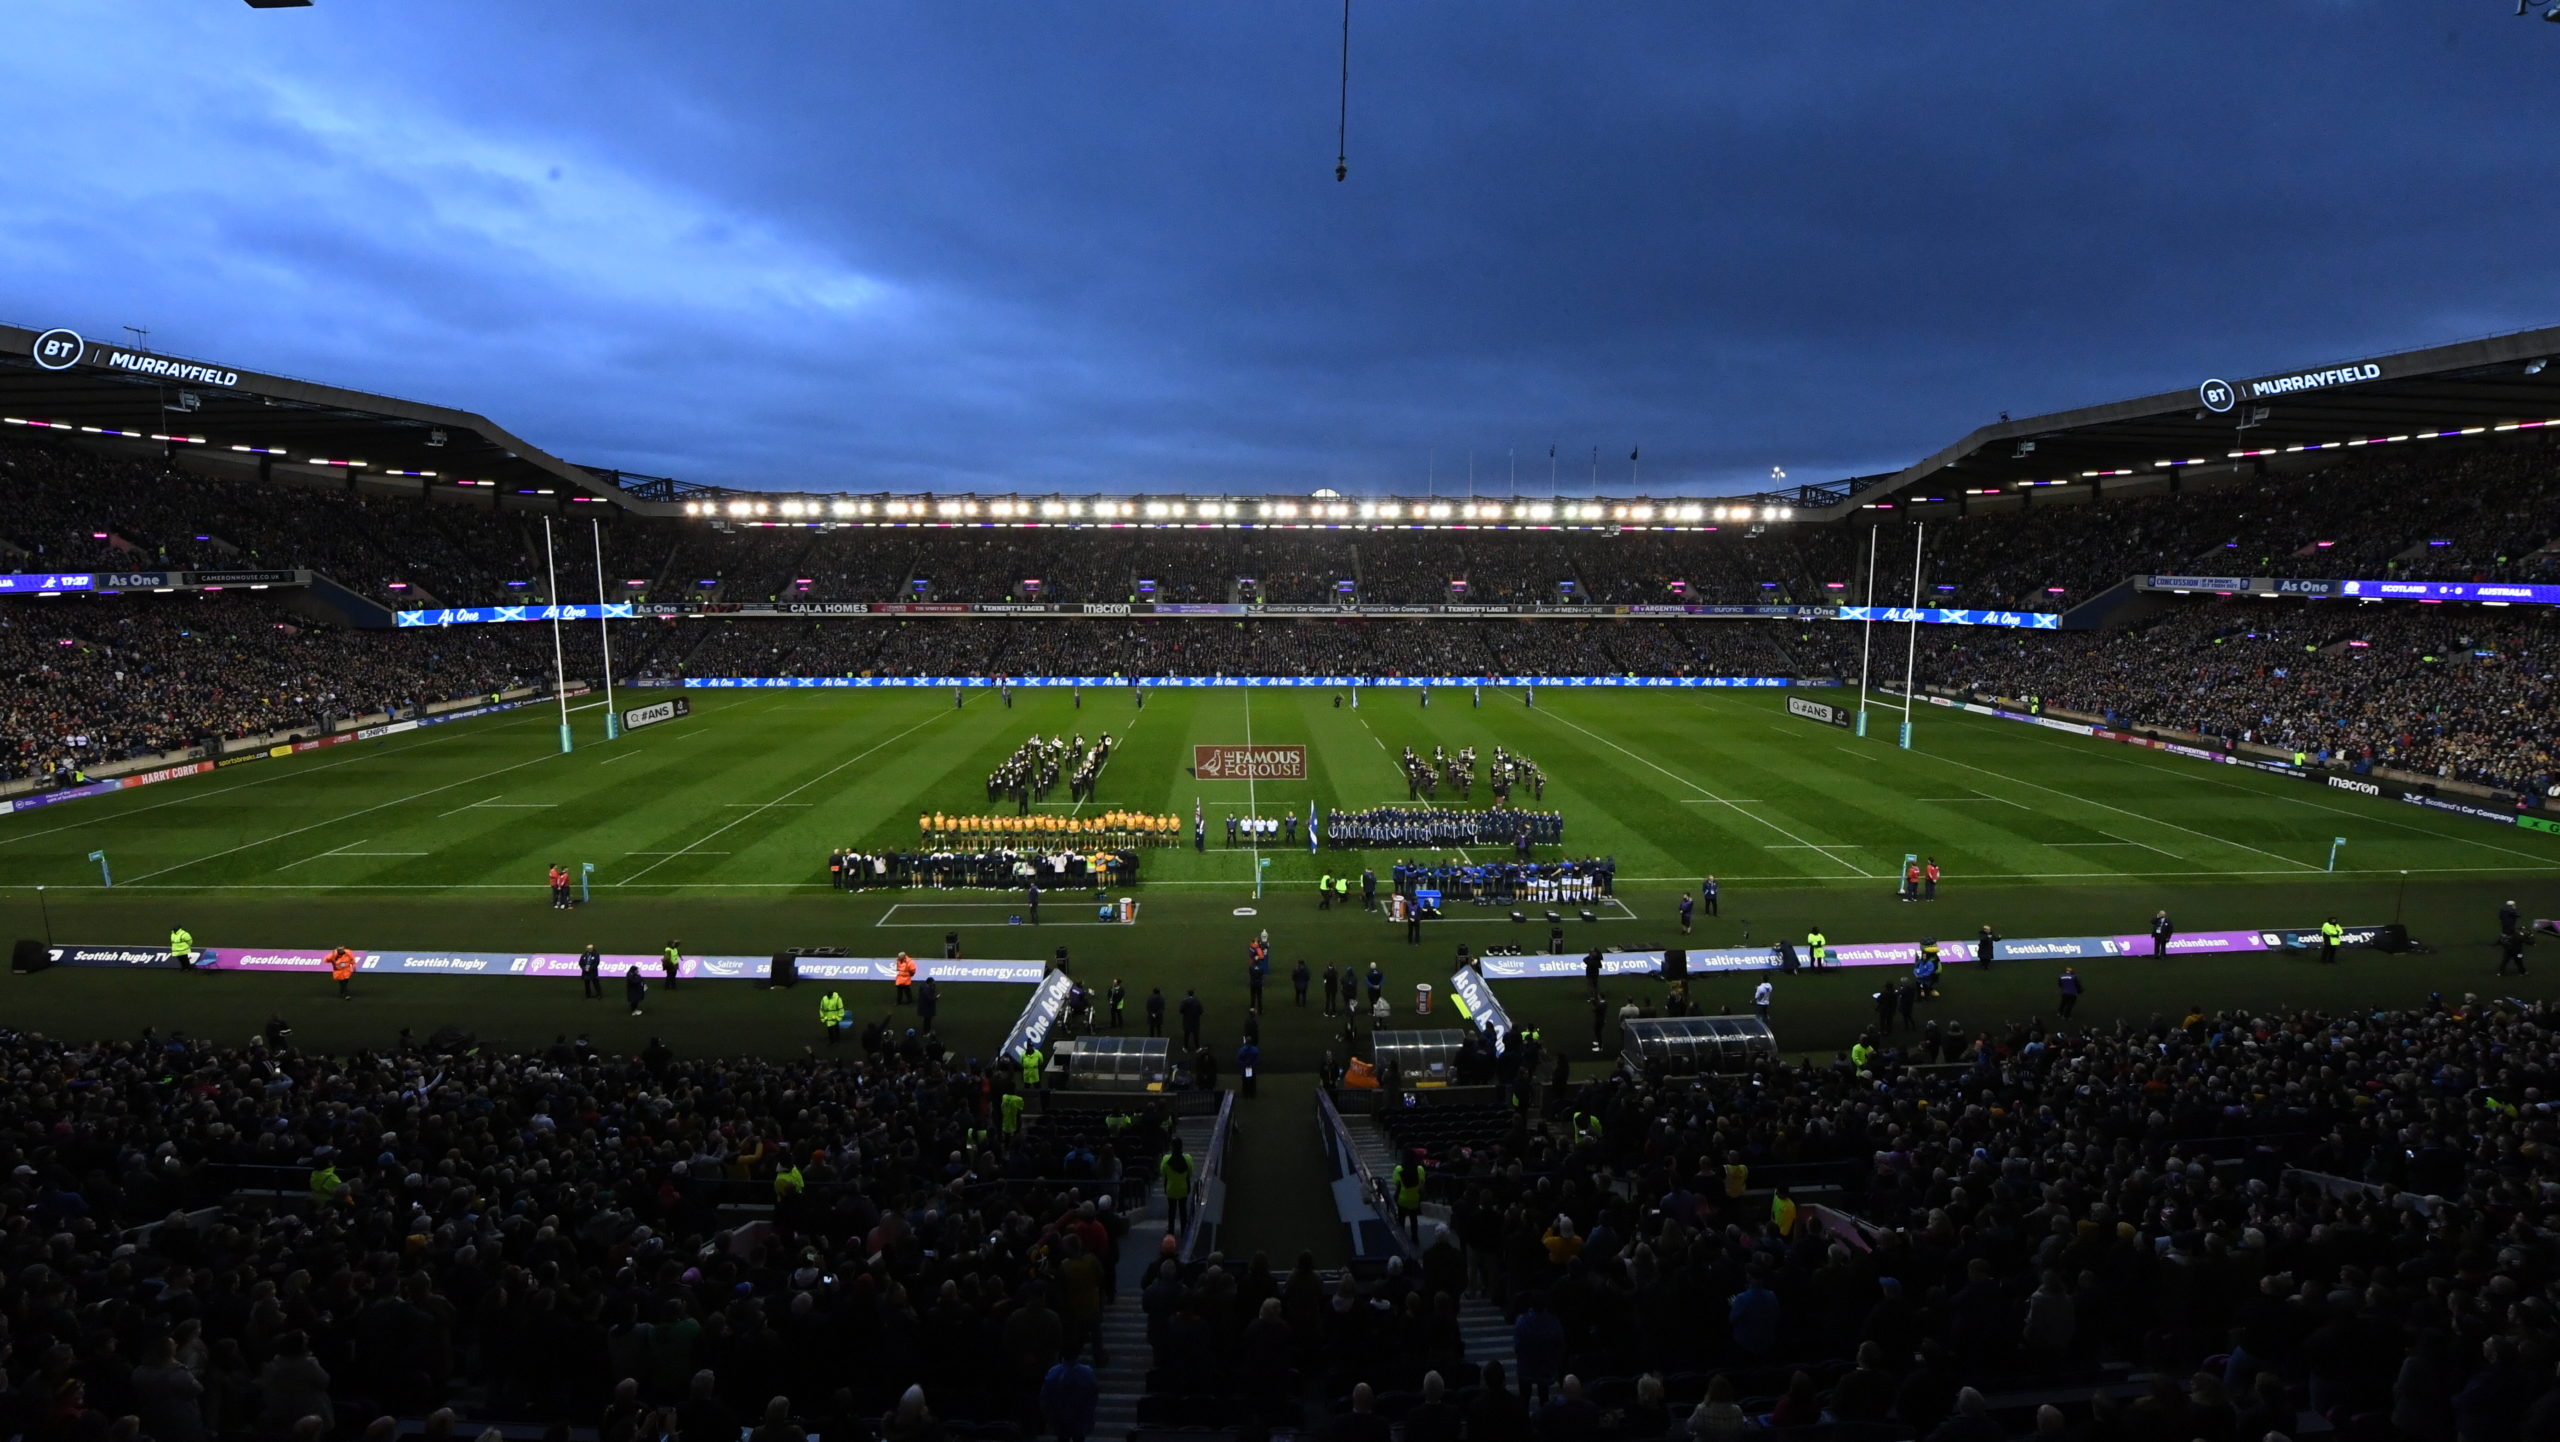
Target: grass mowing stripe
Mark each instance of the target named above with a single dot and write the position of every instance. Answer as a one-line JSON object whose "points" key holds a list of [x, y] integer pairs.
{"points": [[334, 820], [2120, 811], [2152, 764], [1703, 791], [278, 775], [1784, 879], [794, 791]]}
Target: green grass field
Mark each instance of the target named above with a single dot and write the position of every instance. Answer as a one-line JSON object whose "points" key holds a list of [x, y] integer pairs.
{"points": [[715, 829]]}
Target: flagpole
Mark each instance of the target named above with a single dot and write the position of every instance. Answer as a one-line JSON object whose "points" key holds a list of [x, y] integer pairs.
{"points": [[1911, 655], [559, 662], [1867, 645], [604, 634]]}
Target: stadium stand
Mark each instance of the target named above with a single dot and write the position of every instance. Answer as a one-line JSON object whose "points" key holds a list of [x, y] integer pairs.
{"points": [[109, 679], [2456, 694], [2221, 1227]]}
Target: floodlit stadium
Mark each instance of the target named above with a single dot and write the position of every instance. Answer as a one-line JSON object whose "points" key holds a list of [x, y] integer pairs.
{"points": [[1050, 881]]}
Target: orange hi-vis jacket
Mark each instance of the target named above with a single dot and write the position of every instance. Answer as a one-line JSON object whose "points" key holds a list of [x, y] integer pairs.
{"points": [[906, 969], [342, 964]]}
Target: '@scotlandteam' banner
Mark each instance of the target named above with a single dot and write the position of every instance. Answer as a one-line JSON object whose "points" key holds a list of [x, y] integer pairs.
{"points": [[866, 683], [548, 965]]}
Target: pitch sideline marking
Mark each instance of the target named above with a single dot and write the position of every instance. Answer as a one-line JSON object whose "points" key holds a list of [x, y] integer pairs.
{"points": [[1795, 879], [278, 775], [2126, 759], [334, 820], [2120, 811], [323, 856], [794, 791], [1694, 786]]}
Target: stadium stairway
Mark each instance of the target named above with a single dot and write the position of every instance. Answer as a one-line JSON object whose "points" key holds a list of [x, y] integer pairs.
{"points": [[1486, 1330], [1123, 1326], [1487, 1334]]}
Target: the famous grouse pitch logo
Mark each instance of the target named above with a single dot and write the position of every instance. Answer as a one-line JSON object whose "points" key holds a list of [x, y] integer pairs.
{"points": [[1249, 763]]}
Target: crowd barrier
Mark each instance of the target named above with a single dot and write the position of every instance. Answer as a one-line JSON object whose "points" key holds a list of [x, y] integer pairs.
{"points": [[548, 965], [1952, 951]]}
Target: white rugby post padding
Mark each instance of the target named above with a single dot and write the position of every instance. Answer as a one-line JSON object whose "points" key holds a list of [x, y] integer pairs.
{"points": [[559, 663], [1911, 655], [1867, 639], [604, 634]]}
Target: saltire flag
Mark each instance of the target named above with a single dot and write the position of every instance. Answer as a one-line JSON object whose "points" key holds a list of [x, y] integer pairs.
{"points": [[1311, 825]]}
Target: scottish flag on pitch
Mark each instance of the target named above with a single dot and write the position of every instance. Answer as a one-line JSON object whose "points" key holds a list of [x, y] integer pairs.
{"points": [[1311, 825]]}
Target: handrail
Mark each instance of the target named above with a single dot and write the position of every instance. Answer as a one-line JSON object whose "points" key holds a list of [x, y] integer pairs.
{"points": [[1373, 1187], [1209, 1189]]}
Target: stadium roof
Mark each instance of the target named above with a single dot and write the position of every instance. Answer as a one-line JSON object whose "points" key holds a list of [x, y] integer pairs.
{"points": [[2291, 418], [96, 388], [2286, 418]]}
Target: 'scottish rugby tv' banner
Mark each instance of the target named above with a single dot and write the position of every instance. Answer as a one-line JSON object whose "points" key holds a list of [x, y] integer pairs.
{"points": [[549, 965], [1474, 999]]}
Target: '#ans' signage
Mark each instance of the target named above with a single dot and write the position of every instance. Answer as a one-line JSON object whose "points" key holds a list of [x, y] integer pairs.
{"points": [[1817, 711], [639, 716]]}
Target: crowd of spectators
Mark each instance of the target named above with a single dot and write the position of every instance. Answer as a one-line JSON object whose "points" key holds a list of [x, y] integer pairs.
{"points": [[2477, 511], [2269, 1215], [2261, 1215], [91, 679], [2482, 513], [1053, 646], [75, 510], [2461, 693], [544, 1230]]}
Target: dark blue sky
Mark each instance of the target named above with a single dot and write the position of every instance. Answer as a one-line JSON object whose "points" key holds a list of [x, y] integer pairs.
{"points": [[1086, 244]]}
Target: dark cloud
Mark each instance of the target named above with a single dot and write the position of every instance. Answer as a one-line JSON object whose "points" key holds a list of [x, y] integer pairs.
{"points": [[1100, 245]]}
